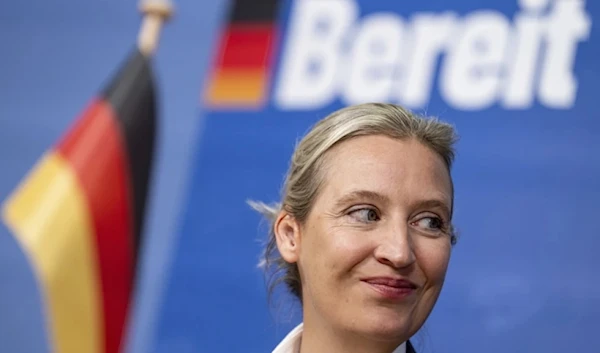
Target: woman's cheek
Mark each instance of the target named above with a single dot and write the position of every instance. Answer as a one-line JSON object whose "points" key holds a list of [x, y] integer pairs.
{"points": [[352, 249], [433, 256]]}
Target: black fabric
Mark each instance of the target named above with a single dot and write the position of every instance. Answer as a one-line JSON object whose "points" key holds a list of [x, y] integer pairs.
{"points": [[131, 94], [409, 348], [253, 11]]}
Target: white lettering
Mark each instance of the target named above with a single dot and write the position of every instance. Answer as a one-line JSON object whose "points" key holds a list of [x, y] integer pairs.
{"points": [[567, 25], [522, 60], [533, 5], [308, 75], [375, 59], [429, 36], [331, 53], [471, 73]]}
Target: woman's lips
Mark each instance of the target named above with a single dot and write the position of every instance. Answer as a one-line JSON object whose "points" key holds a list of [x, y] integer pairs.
{"points": [[391, 288]]}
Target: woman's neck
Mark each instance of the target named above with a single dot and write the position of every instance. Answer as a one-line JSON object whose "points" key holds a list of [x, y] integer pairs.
{"points": [[318, 336]]}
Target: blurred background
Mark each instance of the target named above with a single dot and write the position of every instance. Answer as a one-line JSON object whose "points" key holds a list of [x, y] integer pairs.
{"points": [[518, 78]]}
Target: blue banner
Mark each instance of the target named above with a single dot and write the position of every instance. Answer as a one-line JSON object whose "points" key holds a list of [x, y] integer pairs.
{"points": [[518, 79]]}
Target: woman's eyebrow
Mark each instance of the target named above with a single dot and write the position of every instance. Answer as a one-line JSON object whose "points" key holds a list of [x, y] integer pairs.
{"points": [[361, 195], [433, 203]]}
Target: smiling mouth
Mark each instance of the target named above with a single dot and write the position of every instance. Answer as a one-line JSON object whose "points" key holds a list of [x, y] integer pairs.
{"points": [[391, 288]]}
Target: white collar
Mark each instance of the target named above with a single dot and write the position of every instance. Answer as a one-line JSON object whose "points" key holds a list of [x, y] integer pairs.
{"points": [[291, 342]]}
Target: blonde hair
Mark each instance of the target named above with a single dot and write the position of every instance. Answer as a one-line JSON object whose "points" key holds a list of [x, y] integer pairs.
{"points": [[304, 177]]}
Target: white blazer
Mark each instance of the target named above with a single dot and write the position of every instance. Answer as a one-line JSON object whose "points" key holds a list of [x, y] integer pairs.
{"points": [[291, 343]]}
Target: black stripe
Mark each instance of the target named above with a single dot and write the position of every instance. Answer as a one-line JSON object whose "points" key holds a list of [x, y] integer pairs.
{"points": [[409, 347], [253, 11], [131, 94]]}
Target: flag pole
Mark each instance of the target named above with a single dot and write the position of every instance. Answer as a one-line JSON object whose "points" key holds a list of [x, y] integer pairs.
{"points": [[155, 14]]}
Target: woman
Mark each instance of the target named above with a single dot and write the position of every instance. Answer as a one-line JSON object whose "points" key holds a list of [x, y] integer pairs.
{"points": [[363, 234]]}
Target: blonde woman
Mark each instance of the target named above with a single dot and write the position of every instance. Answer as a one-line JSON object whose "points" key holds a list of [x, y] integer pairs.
{"points": [[363, 233]]}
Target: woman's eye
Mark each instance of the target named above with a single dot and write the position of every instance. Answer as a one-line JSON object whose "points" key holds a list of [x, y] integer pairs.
{"points": [[430, 223], [365, 215]]}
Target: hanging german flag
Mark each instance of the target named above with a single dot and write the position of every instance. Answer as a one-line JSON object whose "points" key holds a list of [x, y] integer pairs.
{"points": [[79, 214]]}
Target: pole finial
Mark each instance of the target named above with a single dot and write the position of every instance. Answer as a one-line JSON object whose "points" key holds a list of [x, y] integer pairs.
{"points": [[155, 14]]}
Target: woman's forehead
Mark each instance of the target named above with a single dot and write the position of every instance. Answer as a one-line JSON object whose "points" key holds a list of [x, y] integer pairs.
{"points": [[381, 157], [387, 166]]}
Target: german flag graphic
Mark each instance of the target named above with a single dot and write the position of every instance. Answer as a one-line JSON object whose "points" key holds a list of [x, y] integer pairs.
{"points": [[79, 214], [241, 72]]}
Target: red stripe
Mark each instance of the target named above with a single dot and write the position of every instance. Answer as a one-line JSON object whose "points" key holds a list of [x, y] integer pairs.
{"points": [[96, 151], [246, 46]]}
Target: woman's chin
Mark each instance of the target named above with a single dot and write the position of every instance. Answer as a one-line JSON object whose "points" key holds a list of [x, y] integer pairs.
{"points": [[387, 329]]}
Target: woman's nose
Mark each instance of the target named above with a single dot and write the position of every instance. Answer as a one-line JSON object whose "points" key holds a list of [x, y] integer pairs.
{"points": [[395, 248]]}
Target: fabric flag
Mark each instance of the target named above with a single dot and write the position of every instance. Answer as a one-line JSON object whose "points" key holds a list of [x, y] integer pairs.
{"points": [[79, 214]]}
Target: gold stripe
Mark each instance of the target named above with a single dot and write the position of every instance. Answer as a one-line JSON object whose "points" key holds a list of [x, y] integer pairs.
{"points": [[49, 217], [238, 86]]}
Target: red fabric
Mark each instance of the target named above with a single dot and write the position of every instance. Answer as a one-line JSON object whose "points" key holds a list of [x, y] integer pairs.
{"points": [[97, 152], [246, 46]]}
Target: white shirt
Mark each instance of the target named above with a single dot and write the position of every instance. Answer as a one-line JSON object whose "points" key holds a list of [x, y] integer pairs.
{"points": [[291, 343]]}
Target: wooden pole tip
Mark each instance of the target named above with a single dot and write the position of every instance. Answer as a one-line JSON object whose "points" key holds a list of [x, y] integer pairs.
{"points": [[162, 9], [155, 13]]}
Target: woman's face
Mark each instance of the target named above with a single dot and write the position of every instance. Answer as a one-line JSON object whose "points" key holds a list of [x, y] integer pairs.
{"points": [[374, 249]]}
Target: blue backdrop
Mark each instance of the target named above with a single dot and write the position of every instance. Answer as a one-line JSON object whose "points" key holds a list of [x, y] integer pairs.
{"points": [[519, 80]]}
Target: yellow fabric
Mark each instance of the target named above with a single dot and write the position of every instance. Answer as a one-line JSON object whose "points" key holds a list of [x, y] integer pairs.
{"points": [[244, 87], [48, 215]]}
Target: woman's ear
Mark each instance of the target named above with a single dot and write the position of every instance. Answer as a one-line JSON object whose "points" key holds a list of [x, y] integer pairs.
{"points": [[287, 234]]}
